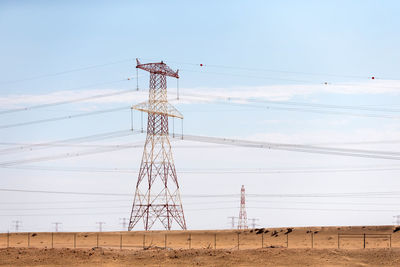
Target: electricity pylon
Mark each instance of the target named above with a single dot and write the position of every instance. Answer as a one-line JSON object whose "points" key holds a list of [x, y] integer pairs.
{"points": [[396, 220], [232, 221], [253, 222], [242, 223], [157, 196]]}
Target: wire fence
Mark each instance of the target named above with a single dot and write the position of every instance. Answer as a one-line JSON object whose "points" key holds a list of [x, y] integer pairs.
{"points": [[199, 240]]}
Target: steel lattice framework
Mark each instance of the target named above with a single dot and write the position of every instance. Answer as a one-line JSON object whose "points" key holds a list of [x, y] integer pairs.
{"points": [[157, 196], [242, 223]]}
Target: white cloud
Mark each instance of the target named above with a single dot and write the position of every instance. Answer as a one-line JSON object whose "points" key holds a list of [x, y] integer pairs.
{"points": [[206, 95], [362, 138], [286, 92]]}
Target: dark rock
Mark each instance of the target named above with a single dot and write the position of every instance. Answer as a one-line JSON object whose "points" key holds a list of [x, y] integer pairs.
{"points": [[289, 230], [260, 231]]}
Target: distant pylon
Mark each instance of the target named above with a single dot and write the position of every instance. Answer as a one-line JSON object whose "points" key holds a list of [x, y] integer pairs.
{"points": [[17, 225], [100, 226], [396, 219], [124, 223], [232, 221], [253, 222], [56, 224], [157, 196], [242, 223]]}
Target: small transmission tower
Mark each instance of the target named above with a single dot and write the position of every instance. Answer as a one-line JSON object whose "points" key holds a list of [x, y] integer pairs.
{"points": [[396, 220], [157, 196], [242, 223]]}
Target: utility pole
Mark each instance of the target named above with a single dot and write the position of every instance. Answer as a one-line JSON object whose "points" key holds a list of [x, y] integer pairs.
{"points": [[124, 223], [242, 224], [17, 225], [232, 221], [253, 222], [396, 219], [100, 226], [157, 197], [56, 224]]}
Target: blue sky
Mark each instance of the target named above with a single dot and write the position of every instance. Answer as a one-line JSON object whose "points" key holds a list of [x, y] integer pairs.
{"points": [[281, 51]]}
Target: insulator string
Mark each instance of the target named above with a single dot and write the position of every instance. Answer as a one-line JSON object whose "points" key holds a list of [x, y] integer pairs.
{"points": [[137, 80]]}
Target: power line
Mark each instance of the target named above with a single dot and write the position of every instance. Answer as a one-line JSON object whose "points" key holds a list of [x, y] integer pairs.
{"points": [[243, 101], [95, 137], [205, 65], [62, 202], [67, 101], [254, 201], [64, 72], [390, 155], [20, 147], [351, 194], [68, 155], [317, 111], [202, 171], [206, 209], [63, 117], [251, 76]]}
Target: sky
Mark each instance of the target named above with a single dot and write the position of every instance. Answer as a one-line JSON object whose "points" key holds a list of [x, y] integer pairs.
{"points": [[320, 73]]}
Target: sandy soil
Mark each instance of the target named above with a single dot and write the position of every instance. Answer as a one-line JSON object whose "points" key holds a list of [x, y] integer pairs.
{"points": [[199, 257], [299, 246], [348, 237]]}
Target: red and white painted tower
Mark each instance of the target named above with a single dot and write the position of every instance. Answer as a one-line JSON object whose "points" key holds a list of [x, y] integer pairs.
{"points": [[242, 223], [157, 197]]}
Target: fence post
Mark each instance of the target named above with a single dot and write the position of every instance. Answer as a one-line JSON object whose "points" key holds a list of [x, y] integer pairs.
{"points": [[97, 240], [29, 241], [312, 239], [262, 240], [215, 241], [287, 240], [190, 241], [364, 240], [338, 240], [74, 240], [165, 241], [120, 241], [238, 234], [390, 241], [144, 240], [8, 239], [52, 240]]}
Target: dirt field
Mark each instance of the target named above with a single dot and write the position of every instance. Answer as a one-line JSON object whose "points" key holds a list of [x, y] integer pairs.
{"points": [[301, 246], [199, 257], [349, 237]]}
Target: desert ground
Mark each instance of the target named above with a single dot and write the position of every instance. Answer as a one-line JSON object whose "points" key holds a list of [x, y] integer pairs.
{"points": [[199, 257], [299, 246]]}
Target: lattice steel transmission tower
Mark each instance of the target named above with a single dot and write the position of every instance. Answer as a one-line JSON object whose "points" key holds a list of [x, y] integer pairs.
{"points": [[242, 223], [157, 196]]}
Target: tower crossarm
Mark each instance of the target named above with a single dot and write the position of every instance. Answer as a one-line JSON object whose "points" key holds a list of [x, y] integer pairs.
{"points": [[157, 68], [161, 107]]}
